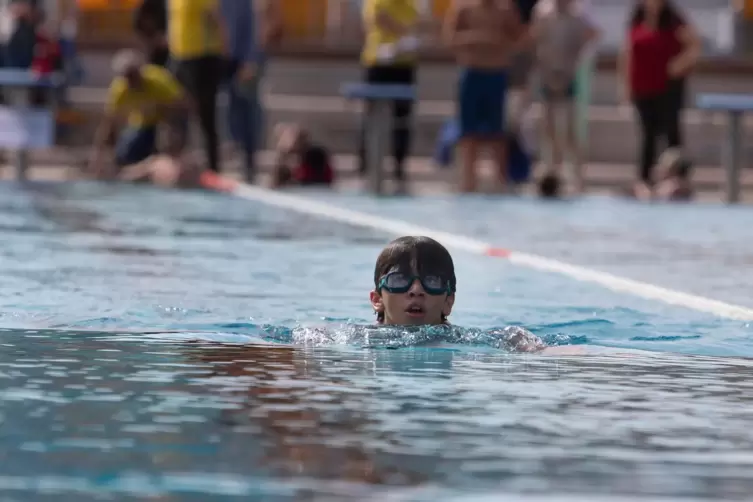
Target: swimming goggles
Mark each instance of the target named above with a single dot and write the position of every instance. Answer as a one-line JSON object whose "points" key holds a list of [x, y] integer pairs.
{"points": [[398, 282]]}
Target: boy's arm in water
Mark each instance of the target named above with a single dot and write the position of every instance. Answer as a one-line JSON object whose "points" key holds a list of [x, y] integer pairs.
{"points": [[521, 340]]}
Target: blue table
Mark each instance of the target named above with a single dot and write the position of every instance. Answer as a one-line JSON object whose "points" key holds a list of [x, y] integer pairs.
{"points": [[378, 121], [735, 106], [22, 127]]}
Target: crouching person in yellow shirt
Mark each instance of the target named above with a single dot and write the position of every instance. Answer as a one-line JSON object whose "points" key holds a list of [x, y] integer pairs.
{"points": [[147, 95]]}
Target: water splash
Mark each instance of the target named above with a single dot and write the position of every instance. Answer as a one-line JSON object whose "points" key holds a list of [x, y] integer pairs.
{"points": [[331, 332], [512, 338]]}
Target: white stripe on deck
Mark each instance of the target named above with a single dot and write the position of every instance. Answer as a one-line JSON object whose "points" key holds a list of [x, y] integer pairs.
{"points": [[616, 283]]}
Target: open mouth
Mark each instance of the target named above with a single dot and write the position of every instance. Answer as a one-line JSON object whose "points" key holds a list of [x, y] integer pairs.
{"points": [[415, 310]]}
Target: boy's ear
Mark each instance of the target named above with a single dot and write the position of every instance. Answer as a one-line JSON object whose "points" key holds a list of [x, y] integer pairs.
{"points": [[448, 304], [376, 301]]}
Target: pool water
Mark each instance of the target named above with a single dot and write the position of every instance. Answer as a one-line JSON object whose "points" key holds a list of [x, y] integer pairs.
{"points": [[169, 345]]}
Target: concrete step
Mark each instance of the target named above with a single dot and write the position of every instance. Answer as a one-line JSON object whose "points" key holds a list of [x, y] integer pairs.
{"points": [[438, 81], [613, 133], [335, 122], [435, 81], [419, 185], [64, 164]]}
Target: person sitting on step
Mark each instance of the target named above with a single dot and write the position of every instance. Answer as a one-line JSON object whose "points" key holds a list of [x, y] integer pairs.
{"points": [[300, 161]]}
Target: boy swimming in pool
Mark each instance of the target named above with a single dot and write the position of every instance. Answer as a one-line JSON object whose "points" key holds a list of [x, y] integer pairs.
{"points": [[414, 285]]}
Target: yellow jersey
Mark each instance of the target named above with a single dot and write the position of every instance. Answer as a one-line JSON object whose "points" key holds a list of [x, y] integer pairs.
{"points": [[192, 33], [402, 11], [143, 104]]}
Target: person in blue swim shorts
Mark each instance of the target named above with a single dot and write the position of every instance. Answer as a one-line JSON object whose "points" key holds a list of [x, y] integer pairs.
{"points": [[483, 35]]}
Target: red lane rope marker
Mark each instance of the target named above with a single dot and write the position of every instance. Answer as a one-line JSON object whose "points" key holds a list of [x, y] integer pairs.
{"points": [[579, 273], [498, 252], [214, 181]]}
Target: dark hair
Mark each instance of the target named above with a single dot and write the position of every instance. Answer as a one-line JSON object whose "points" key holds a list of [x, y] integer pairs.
{"points": [[549, 186], [410, 254], [669, 16]]}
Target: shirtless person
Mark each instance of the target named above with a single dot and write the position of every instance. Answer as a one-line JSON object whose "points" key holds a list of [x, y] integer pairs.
{"points": [[483, 34]]}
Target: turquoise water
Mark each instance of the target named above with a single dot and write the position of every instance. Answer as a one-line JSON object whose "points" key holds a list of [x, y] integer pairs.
{"points": [[143, 354]]}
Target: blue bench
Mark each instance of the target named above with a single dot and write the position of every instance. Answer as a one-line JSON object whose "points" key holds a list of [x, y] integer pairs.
{"points": [[378, 121], [23, 127], [735, 106]]}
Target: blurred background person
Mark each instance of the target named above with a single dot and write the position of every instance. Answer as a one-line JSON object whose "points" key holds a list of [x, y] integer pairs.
{"points": [[253, 27], [660, 51], [561, 35], [148, 95], [389, 57], [197, 41], [150, 25]]}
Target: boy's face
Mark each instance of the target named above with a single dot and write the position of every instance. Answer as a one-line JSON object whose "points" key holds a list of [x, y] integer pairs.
{"points": [[414, 306]]}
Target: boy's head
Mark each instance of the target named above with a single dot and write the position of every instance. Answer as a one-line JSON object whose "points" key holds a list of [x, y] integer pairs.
{"points": [[549, 186], [414, 282]]}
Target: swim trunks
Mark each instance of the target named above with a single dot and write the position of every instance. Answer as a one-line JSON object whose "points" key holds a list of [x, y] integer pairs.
{"points": [[481, 99]]}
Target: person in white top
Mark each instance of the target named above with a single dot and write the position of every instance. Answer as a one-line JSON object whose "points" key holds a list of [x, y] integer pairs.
{"points": [[561, 33]]}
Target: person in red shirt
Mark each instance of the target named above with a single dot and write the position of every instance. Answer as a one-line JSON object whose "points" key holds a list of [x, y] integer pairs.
{"points": [[46, 53], [661, 49]]}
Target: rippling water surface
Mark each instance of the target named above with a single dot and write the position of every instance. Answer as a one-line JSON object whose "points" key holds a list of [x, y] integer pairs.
{"points": [[197, 347]]}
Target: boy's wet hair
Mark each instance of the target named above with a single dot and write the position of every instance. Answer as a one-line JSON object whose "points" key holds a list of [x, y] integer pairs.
{"points": [[409, 254]]}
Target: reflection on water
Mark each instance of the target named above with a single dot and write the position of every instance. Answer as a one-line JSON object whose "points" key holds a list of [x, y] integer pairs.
{"points": [[232, 361], [106, 413]]}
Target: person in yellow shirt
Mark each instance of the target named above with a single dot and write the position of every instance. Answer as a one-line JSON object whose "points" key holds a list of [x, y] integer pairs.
{"points": [[197, 41], [146, 95], [389, 57]]}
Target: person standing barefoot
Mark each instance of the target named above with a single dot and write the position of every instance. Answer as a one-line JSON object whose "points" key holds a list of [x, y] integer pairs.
{"points": [[483, 34]]}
